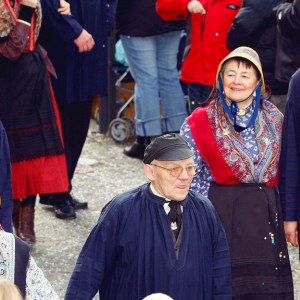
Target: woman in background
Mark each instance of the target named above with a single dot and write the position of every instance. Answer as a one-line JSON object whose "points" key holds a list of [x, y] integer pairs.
{"points": [[236, 140], [28, 113]]}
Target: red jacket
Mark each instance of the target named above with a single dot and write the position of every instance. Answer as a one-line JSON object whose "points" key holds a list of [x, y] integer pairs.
{"points": [[208, 40]]}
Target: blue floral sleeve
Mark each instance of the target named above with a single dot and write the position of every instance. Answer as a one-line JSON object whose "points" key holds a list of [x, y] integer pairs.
{"points": [[203, 178]]}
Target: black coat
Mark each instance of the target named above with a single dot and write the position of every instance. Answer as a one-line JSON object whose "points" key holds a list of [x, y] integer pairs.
{"points": [[139, 18], [255, 26], [288, 50]]}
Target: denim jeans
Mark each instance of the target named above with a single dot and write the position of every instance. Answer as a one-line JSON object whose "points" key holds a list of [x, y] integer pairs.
{"points": [[152, 61], [198, 93]]}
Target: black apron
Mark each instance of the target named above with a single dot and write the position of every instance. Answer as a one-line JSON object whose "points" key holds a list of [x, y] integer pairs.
{"points": [[252, 218]]}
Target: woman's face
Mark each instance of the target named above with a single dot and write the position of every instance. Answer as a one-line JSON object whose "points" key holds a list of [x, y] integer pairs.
{"points": [[239, 82]]}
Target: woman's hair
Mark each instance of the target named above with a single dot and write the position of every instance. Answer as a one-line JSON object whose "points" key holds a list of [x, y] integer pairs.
{"points": [[9, 291], [241, 61]]}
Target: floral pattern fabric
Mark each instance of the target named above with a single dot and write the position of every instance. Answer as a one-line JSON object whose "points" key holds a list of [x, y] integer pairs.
{"points": [[37, 286], [253, 154]]}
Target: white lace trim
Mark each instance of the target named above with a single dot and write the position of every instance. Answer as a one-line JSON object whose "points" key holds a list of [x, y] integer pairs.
{"points": [[7, 255]]}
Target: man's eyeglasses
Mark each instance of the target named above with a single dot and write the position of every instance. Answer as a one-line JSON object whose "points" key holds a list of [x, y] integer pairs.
{"points": [[176, 171]]}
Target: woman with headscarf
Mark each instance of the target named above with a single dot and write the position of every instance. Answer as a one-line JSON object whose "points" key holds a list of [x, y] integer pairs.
{"points": [[236, 140], [28, 113]]}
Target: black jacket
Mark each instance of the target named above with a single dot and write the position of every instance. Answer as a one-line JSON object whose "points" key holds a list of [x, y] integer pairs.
{"points": [[288, 50], [255, 26], [139, 18]]}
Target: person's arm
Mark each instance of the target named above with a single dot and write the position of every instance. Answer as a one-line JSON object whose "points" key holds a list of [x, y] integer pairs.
{"points": [[65, 25], [13, 46], [197, 182], [246, 26], [5, 183], [288, 19], [289, 175], [37, 286], [221, 277], [97, 256]]}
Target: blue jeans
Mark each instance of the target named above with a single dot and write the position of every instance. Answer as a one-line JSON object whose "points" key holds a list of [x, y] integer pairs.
{"points": [[152, 61], [198, 93]]}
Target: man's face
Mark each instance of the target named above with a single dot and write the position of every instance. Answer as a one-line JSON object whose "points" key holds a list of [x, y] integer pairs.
{"points": [[173, 188]]}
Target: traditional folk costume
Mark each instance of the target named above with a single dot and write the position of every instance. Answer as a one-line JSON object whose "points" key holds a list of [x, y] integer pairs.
{"points": [[132, 251], [238, 155], [29, 114], [27, 106], [17, 265]]}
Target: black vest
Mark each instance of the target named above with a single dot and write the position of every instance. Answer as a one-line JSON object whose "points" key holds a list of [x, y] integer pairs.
{"points": [[21, 262]]}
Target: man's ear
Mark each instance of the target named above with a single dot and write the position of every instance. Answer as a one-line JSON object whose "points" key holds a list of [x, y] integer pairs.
{"points": [[149, 172]]}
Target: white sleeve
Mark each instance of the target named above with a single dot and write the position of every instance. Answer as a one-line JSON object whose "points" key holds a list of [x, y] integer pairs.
{"points": [[37, 286]]}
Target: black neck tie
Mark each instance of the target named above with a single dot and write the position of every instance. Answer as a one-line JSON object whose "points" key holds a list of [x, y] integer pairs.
{"points": [[175, 216]]}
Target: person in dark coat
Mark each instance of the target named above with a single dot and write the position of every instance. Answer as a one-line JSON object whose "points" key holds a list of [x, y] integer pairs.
{"points": [[156, 238], [288, 41], [6, 195], [255, 26], [289, 179], [81, 74]]}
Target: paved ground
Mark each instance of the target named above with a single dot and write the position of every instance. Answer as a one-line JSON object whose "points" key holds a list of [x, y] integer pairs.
{"points": [[59, 242]]}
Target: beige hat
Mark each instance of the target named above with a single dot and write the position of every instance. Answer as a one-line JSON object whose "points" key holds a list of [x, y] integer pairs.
{"points": [[249, 54]]}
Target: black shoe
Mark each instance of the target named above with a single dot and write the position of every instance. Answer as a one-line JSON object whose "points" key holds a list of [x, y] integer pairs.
{"points": [[76, 204], [65, 211], [136, 151], [47, 199]]}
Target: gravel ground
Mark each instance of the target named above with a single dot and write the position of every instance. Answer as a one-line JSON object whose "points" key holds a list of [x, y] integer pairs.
{"points": [[59, 242]]}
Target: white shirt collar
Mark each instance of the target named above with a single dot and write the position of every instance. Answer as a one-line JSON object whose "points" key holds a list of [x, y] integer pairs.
{"points": [[166, 205]]}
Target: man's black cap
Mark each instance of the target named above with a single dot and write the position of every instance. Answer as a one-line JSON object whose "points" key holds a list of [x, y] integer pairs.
{"points": [[167, 147]]}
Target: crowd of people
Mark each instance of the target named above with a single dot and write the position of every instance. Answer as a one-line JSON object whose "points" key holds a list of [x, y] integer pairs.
{"points": [[223, 167]]}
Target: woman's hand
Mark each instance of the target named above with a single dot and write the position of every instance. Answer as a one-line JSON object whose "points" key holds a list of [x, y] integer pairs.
{"points": [[291, 233], [195, 7], [65, 8], [30, 3]]}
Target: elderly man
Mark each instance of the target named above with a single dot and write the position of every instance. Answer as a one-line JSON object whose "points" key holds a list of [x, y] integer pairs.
{"points": [[157, 238]]}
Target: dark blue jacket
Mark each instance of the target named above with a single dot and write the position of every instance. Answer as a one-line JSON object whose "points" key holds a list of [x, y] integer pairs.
{"points": [[288, 51], [5, 183], [80, 75], [131, 252]]}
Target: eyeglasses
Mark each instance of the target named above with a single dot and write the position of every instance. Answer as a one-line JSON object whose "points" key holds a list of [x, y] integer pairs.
{"points": [[176, 171]]}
